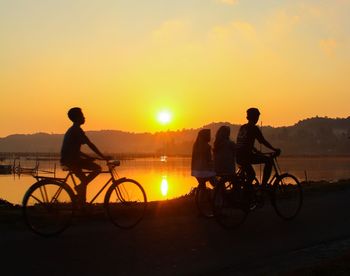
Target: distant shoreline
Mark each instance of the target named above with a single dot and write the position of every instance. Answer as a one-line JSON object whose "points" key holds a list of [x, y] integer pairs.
{"points": [[309, 137], [42, 156]]}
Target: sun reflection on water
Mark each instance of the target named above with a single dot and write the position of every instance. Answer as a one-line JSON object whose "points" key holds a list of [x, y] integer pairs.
{"points": [[171, 179], [164, 186]]}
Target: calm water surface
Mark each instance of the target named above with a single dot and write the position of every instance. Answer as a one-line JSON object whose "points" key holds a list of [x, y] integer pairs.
{"points": [[171, 178]]}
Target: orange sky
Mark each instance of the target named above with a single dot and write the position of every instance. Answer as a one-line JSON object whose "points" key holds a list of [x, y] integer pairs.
{"points": [[203, 61]]}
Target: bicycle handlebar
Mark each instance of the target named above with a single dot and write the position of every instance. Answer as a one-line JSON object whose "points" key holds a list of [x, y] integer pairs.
{"points": [[103, 159], [273, 154], [113, 163], [110, 162]]}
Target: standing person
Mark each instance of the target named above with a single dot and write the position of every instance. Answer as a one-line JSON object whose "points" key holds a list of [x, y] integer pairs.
{"points": [[224, 153], [202, 163], [247, 154], [73, 158]]}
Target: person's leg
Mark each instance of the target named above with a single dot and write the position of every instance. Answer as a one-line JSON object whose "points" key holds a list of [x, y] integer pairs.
{"points": [[249, 193], [201, 182], [267, 161], [78, 172], [267, 171], [250, 172], [85, 178], [80, 188], [93, 168], [244, 160]]}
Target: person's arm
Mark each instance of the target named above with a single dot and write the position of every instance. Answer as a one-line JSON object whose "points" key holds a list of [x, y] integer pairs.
{"points": [[95, 149], [263, 141], [268, 145], [86, 140], [209, 157]]}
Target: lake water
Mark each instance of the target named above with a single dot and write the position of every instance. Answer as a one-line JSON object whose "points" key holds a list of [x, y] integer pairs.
{"points": [[171, 178]]}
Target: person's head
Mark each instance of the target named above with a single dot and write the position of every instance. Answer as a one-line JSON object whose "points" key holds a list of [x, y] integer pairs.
{"points": [[253, 115], [76, 115], [204, 135], [222, 134]]}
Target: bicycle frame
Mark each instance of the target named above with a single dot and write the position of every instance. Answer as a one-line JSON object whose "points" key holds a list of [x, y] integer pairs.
{"points": [[70, 176], [275, 167]]}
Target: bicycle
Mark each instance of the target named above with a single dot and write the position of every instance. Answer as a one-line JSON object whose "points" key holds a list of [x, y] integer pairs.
{"points": [[204, 199], [50, 203], [234, 198]]}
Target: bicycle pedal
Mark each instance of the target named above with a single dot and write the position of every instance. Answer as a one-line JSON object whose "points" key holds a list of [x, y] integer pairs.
{"points": [[252, 206]]}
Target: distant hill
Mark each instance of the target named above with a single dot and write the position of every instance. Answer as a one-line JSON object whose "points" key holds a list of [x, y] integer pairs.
{"points": [[314, 136]]}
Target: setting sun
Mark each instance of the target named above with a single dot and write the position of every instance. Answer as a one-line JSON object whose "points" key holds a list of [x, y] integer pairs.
{"points": [[164, 117], [180, 70]]}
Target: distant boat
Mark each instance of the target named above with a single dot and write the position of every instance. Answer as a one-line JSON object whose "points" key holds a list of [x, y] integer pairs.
{"points": [[18, 169], [5, 169], [163, 158]]}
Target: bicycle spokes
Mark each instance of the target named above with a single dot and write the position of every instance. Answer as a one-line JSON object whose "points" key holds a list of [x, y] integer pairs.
{"points": [[125, 203], [230, 206], [287, 196], [204, 200], [48, 208], [122, 193]]}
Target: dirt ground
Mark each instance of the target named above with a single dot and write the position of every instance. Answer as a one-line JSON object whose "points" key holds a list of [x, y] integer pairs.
{"points": [[173, 240]]}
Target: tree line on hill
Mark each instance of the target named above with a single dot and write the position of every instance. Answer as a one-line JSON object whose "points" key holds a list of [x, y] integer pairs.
{"points": [[314, 136]]}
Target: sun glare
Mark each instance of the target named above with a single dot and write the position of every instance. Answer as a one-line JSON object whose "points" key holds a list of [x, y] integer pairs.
{"points": [[164, 117], [164, 186]]}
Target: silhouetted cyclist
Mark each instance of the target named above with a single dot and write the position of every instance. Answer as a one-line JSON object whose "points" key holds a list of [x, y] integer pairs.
{"points": [[202, 167], [73, 158], [224, 153], [247, 154]]}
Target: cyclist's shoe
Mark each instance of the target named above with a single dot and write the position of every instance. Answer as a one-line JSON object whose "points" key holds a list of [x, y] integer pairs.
{"points": [[265, 187], [83, 210], [259, 198], [253, 205], [81, 194], [250, 200]]}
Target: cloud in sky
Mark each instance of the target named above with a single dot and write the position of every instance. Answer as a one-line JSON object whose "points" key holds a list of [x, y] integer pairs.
{"points": [[282, 22], [171, 31], [245, 29], [234, 29], [229, 2], [328, 46]]}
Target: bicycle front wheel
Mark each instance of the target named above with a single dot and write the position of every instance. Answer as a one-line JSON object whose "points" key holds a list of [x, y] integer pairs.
{"points": [[229, 205], [125, 203], [204, 200], [287, 196], [48, 207]]}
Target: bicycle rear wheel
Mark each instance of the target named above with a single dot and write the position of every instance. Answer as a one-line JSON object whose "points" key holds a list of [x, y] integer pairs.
{"points": [[229, 205], [287, 197], [125, 203], [48, 207], [204, 200]]}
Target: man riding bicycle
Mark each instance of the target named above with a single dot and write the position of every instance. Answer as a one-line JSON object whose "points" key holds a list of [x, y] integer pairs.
{"points": [[247, 154], [73, 158]]}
